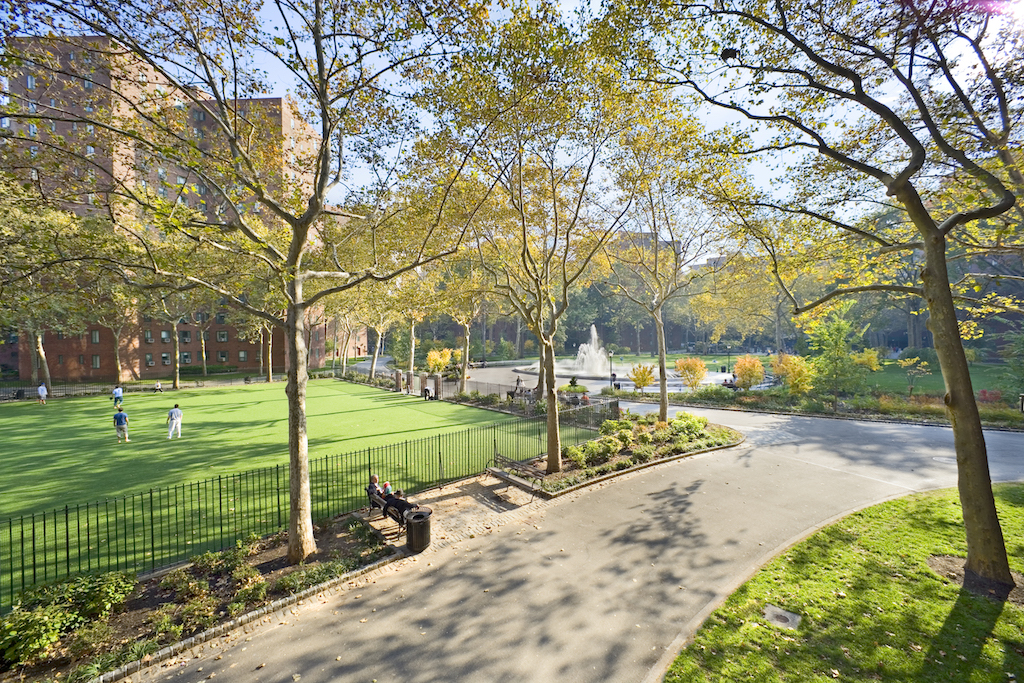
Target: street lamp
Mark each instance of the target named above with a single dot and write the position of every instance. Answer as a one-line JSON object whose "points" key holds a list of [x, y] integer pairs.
{"points": [[728, 356], [611, 375]]}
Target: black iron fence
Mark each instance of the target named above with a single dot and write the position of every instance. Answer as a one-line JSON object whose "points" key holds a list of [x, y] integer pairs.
{"points": [[17, 390], [162, 527]]}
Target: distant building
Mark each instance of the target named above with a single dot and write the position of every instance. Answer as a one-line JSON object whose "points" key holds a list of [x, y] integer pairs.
{"points": [[68, 86]]}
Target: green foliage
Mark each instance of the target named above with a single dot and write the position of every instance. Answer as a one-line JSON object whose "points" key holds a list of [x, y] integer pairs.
{"points": [[644, 437], [614, 426], [185, 585], [643, 453], [834, 368], [928, 355], [199, 614], [165, 625], [642, 376], [87, 597], [575, 455], [28, 634], [89, 638], [1013, 353], [625, 437], [688, 425]]}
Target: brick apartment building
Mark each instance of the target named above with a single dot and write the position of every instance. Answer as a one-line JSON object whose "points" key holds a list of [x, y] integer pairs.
{"points": [[71, 81]]}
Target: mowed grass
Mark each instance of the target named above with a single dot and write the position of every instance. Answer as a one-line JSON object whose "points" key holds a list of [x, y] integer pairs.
{"points": [[66, 452], [871, 608]]}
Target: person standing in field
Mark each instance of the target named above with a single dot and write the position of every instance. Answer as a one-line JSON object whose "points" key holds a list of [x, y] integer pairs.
{"points": [[118, 396], [121, 424], [42, 394], [174, 421]]}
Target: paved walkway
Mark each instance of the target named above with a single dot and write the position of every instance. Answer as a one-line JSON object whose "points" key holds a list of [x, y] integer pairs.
{"points": [[601, 585]]}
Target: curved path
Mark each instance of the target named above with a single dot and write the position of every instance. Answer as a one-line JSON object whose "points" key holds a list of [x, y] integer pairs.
{"points": [[601, 585]]}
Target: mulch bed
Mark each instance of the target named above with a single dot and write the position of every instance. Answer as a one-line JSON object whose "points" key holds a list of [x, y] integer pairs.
{"points": [[951, 568]]}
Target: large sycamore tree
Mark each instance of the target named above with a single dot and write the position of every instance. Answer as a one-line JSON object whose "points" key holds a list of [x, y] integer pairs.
{"points": [[864, 103], [542, 112], [167, 91]]}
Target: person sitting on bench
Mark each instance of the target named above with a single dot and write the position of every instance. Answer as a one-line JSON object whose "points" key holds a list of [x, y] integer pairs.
{"points": [[398, 502]]}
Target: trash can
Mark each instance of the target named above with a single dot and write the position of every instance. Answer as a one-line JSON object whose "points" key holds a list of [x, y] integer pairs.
{"points": [[19, 394], [417, 529], [725, 368]]}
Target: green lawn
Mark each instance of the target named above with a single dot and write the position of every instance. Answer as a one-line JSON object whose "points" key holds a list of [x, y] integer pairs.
{"points": [[66, 452], [871, 607]]}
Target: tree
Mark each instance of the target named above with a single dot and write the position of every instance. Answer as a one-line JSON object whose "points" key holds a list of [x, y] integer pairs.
{"points": [[866, 99], [834, 366], [796, 373], [692, 371], [749, 371], [562, 109], [262, 195], [642, 376]]}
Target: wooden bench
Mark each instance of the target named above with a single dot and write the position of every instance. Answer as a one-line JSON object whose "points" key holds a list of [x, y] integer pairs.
{"points": [[517, 472], [386, 510]]}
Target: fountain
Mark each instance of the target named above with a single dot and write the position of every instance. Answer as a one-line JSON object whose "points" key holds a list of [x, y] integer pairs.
{"points": [[591, 361]]}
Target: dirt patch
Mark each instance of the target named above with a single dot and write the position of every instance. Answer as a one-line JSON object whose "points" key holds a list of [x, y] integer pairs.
{"points": [[951, 568]]}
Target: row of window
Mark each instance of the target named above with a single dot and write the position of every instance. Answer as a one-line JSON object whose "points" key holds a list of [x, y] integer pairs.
{"points": [[184, 336], [81, 360], [185, 357]]}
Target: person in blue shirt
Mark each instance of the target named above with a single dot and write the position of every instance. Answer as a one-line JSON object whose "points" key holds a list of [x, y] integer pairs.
{"points": [[121, 424]]}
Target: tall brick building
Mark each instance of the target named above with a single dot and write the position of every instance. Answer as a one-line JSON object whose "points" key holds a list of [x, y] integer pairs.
{"points": [[61, 94]]}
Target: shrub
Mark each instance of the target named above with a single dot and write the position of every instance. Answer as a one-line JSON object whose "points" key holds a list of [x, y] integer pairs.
{"points": [[90, 596], [642, 376], [625, 437], [643, 453], [165, 625], [462, 397], [199, 614], [438, 360], [986, 396], [573, 389], [796, 373], [688, 425], [868, 358], [615, 426], [28, 634], [490, 400], [89, 639], [692, 371], [575, 455], [184, 585], [927, 355], [749, 371], [714, 393], [644, 437]]}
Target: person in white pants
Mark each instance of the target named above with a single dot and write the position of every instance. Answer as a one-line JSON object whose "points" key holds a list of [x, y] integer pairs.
{"points": [[174, 421]]}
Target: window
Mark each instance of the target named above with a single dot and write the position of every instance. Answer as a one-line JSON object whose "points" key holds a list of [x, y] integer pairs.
{"points": [[161, 173], [165, 359], [162, 192], [222, 356], [87, 84], [60, 335], [148, 336], [94, 336], [222, 336], [5, 122], [147, 318], [221, 318], [165, 336], [142, 77], [185, 336], [243, 356], [30, 82], [149, 359], [81, 359], [90, 128], [33, 129], [181, 180], [52, 125], [53, 103], [206, 335], [32, 107], [33, 150], [60, 359], [186, 357], [88, 108], [200, 116], [35, 174], [95, 361], [71, 56], [90, 150], [201, 189]]}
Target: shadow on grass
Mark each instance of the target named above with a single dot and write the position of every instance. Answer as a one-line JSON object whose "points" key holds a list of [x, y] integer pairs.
{"points": [[959, 643]]}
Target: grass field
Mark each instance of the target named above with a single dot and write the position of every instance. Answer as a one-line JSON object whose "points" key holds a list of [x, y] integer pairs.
{"points": [[66, 452], [871, 608]]}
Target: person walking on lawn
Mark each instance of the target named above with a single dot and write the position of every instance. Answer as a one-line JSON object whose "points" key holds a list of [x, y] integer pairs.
{"points": [[121, 424], [42, 394], [118, 395], [174, 421]]}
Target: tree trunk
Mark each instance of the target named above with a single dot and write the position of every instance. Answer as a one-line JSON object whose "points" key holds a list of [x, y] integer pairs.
{"points": [[519, 337], [117, 353], [659, 325], [541, 369], [986, 548], [465, 358], [270, 355], [261, 352], [301, 543], [334, 354], [638, 328], [344, 357], [41, 355], [177, 356], [376, 354], [412, 346], [554, 437], [202, 349]]}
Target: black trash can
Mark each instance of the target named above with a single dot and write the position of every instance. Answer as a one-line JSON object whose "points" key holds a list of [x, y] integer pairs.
{"points": [[417, 529], [19, 394], [725, 368]]}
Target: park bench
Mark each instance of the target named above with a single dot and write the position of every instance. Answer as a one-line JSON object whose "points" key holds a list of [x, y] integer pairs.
{"points": [[517, 472], [386, 510]]}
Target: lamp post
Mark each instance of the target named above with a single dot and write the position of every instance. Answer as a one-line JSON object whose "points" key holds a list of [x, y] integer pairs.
{"points": [[611, 375], [728, 356]]}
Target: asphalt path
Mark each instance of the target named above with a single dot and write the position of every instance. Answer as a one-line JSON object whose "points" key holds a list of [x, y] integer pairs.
{"points": [[601, 585]]}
